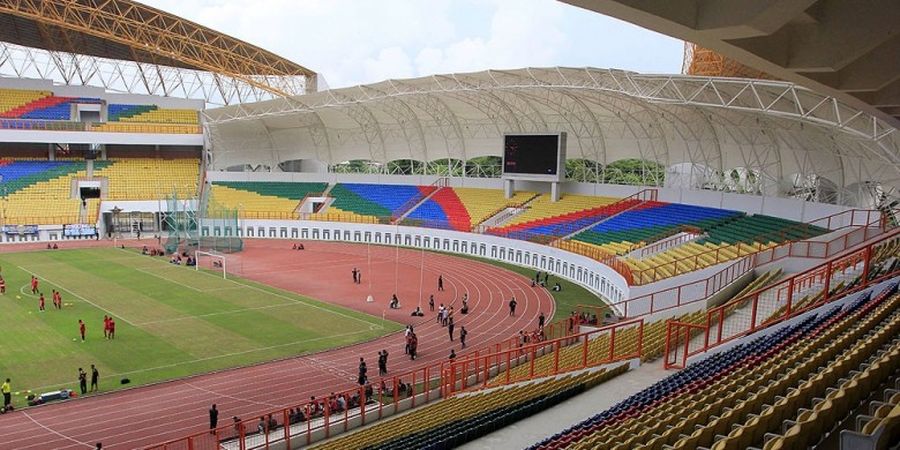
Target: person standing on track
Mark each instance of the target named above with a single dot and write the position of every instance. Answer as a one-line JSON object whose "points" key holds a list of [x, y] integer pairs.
{"points": [[7, 395], [430, 301], [213, 418], [541, 319], [355, 275], [95, 379], [462, 336], [450, 327], [382, 363], [413, 346], [441, 282], [82, 380], [361, 378], [512, 306], [81, 330]]}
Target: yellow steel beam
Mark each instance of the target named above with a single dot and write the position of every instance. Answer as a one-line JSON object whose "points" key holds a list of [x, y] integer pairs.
{"points": [[151, 31]]}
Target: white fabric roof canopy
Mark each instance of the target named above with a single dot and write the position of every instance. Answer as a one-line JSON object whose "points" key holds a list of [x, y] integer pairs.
{"points": [[773, 128]]}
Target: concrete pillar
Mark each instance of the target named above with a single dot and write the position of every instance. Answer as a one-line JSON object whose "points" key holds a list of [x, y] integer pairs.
{"points": [[508, 188], [554, 191]]}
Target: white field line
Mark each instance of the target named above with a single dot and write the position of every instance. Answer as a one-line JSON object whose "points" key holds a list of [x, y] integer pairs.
{"points": [[222, 313], [210, 358], [76, 295], [279, 295], [51, 430]]}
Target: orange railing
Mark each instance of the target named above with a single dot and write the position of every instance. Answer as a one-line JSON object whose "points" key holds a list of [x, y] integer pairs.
{"points": [[40, 220], [775, 303], [700, 290], [493, 366], [107, 127]]}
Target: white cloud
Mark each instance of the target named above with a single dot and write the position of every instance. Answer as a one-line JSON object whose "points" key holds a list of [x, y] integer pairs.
{"points": [[353, 41]]}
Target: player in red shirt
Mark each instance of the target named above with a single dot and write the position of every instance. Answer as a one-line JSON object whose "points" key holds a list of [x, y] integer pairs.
{"points": [[106, 326], [2, 286], [112, 328], [57, 299], [81, 329], [41, 303], [34, 284]]}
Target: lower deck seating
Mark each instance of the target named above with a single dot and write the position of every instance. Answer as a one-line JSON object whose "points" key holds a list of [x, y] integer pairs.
{"points": [[374, 200], [263, 199], [732, 399], [461, 209], [150, 178], [725, 241], [547, 218], [454, 421], [40, 192], [643, 225]]}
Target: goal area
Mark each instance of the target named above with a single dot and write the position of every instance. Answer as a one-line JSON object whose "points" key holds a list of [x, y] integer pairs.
{"points": [[211, 261], [201, 224]]}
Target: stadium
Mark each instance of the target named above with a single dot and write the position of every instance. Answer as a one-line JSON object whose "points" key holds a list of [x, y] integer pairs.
{"points": [[204, 247]]}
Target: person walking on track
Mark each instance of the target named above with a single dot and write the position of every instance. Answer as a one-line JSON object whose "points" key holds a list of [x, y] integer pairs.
{"points": [[213, 418]]}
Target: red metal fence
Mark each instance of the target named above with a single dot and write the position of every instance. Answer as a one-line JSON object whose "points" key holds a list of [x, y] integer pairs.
{"points": [[557, 350], [778, 302]]}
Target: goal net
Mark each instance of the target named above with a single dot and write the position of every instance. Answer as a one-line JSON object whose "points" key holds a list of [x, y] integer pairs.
{"points": [[211, 261]]}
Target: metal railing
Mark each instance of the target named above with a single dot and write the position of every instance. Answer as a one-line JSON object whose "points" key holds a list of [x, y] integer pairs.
{"points": [[104, 127], [780, 301], [492, 366], [834, 222]]}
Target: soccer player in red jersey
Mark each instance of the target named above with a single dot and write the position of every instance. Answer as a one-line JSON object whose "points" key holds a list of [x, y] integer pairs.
{"points": [[81, 329], [112, 328], [34, 284], [41, 303], [106, 326]]}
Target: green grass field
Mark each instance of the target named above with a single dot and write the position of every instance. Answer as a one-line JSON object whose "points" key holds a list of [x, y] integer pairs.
{"points": [[171, 321]]}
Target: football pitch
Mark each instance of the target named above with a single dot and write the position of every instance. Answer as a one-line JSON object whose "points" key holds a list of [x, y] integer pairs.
{"points": [[171, 321]]}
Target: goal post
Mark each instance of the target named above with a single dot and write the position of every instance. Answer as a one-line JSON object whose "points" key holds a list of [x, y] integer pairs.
{"points": [[216, 261]]}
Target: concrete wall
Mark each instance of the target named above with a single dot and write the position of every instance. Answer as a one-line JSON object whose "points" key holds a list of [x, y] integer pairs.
{"points": [[594, 276]]}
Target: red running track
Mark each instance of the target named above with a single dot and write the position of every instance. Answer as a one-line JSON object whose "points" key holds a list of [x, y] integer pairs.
{"points": [[152, 414]]}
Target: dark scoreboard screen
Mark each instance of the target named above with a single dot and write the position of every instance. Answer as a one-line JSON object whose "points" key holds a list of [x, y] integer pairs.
{"points": [[532, 154]]}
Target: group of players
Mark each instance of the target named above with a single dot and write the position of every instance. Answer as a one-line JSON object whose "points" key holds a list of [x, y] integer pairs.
{"points": [[109, 324]]}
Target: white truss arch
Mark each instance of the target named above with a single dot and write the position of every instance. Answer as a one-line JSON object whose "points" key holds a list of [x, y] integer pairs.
{"points": [[769, 130]]}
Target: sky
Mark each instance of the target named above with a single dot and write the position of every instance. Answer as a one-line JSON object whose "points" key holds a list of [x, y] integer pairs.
{"points": [[350, 42]]}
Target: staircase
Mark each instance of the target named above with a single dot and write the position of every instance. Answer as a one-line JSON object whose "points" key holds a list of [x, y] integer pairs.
{"points": [[503, 214], [415, 202], [626, 204]]}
